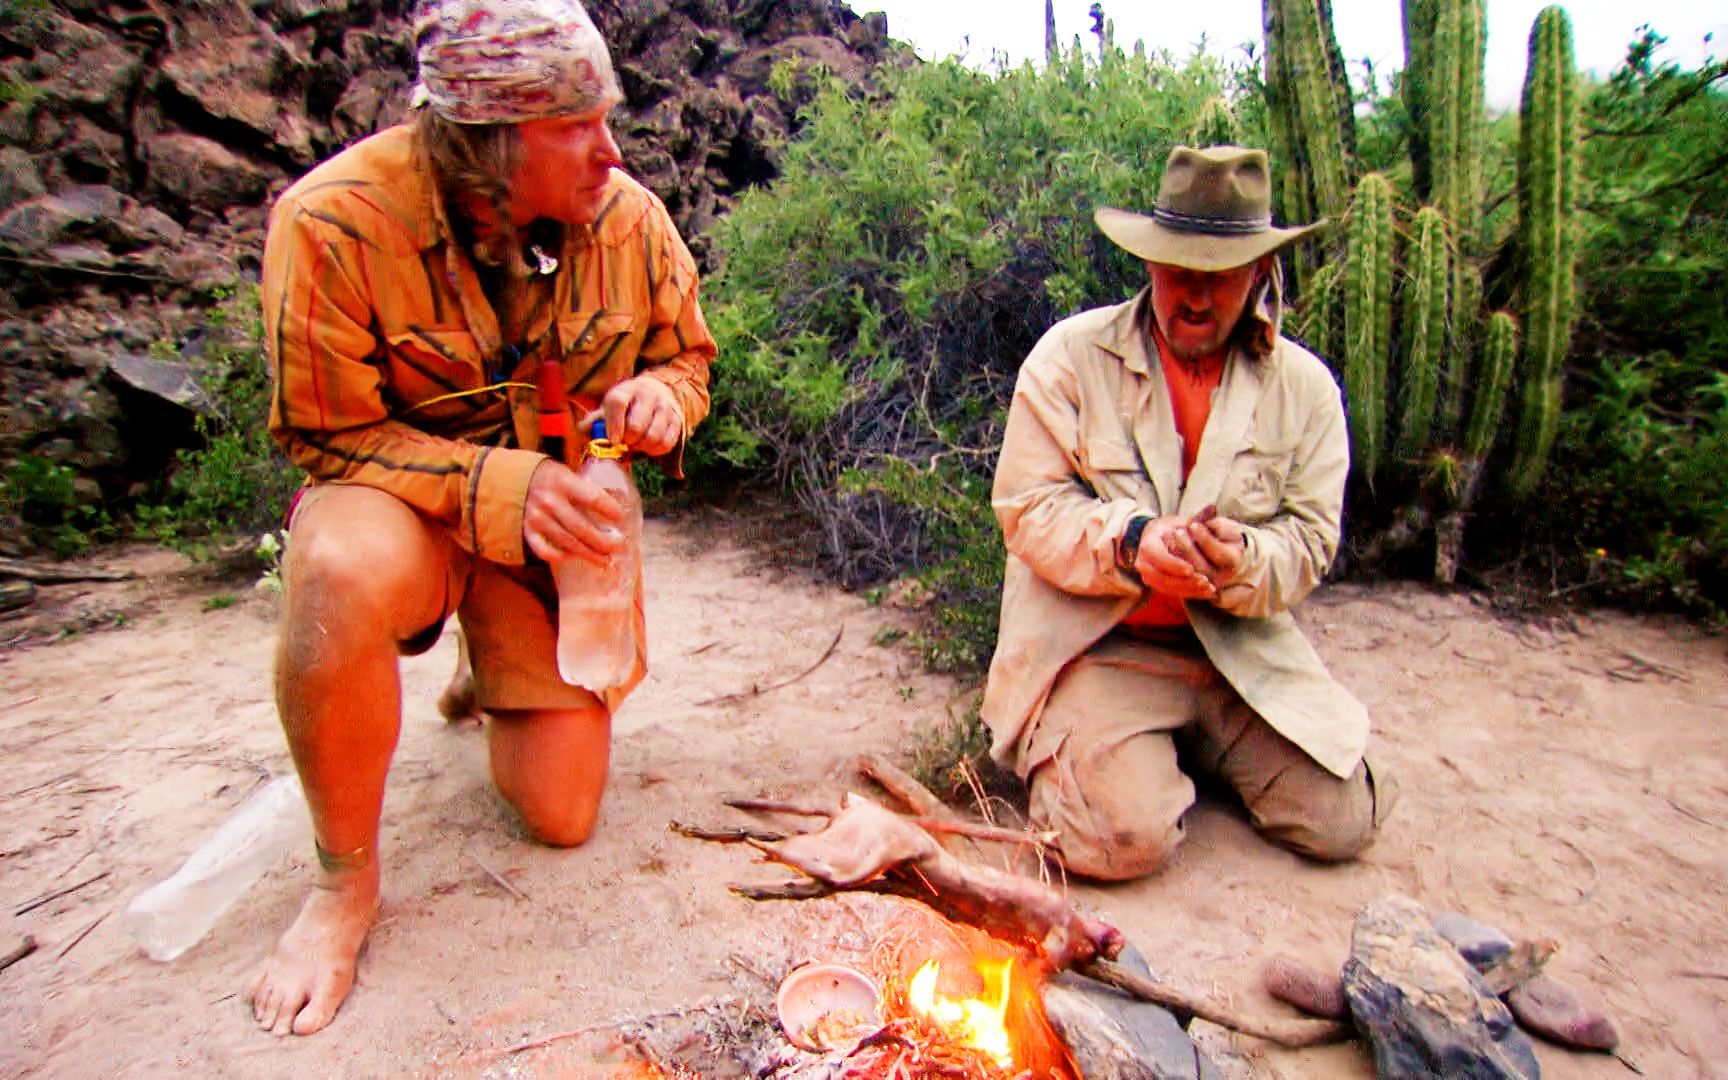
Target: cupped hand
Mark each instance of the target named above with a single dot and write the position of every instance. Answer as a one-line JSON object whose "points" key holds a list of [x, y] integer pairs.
{"points": [[642, 414], [1165, 561], [566, 516], [1220, 543]]}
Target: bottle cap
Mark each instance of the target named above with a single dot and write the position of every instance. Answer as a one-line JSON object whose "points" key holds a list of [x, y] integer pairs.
{"points": [[597, 430]]}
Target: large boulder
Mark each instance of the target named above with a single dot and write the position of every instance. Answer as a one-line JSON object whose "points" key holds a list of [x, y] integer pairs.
{"points": [[1422, 1008]]}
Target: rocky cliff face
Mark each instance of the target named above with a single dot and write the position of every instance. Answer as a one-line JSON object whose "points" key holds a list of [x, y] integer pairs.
{"points": [[142, 141]]}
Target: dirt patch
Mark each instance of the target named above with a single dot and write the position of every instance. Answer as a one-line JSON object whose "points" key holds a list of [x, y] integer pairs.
{"points": [[1568, 781]]}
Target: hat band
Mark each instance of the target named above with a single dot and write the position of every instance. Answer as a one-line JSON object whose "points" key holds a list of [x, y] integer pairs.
{"points": [[1211, 224]]}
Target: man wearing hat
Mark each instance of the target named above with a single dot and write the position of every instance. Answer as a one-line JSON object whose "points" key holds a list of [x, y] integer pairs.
{"points": [[1170, 485], [426, 293]]}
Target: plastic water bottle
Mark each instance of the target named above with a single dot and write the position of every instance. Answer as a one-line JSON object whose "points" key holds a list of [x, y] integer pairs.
{"points": [[173, 915], [596, 604]]}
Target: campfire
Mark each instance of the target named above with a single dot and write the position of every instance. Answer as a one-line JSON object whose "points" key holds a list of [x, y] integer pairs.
{"points": [[954, 1002]]}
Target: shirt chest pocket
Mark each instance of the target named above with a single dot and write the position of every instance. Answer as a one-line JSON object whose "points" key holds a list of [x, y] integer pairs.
{"points": [[1254, 486], [427, 364], [599, 350], [1112, 469]]}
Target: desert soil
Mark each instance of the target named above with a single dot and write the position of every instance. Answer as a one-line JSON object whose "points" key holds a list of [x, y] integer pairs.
{"points": [[1566, 778]]}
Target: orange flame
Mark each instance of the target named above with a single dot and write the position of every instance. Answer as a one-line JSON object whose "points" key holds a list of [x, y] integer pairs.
{"points": [[978, 1022]]}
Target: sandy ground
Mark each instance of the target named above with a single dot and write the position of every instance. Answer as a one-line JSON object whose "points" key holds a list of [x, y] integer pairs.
{"points": [[1568, 780]]}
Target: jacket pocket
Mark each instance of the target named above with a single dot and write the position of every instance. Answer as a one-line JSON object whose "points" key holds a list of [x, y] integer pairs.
{"points": [[1254, 486], [598, 350], [1112, 469]]}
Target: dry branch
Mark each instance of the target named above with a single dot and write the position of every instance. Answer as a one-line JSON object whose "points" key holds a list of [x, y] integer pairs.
{"points": [[54, 575], [1293, 1034], [757, 690], [25, 948]]}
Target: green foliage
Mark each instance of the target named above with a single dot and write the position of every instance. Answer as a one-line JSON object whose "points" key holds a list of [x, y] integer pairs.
{"points": [[1368, 319], [967, 580], [238, 481], [39, 501], [1547, 181], [1424, 328], [1639, 476], [1215, 126]]}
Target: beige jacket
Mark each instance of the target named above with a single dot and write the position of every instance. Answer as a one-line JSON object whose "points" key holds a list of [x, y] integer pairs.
{"points": [[1091, 441]]}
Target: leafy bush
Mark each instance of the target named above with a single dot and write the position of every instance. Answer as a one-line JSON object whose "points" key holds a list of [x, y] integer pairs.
{"points": [[876, 302], [238, 481], [39, 501]]}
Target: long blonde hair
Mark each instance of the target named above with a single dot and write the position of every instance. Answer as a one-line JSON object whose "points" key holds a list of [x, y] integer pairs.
{"points": [[476, 161]]}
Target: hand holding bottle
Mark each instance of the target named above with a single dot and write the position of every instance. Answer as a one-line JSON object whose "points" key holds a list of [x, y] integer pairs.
{"points": [[569, 516]]}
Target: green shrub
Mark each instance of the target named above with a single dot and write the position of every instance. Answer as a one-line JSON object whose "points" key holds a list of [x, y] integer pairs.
{"points": [[238, 481]]}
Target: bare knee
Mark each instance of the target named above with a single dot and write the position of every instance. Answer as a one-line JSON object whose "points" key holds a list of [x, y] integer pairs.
{"points": [[555, 823]]}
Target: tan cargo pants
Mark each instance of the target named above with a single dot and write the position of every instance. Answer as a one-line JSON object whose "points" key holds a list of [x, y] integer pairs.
{"points": [[1105, 775]]}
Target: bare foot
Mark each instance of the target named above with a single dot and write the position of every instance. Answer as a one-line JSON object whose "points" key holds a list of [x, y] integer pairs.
{"points": [[456, 703], [303, 984]]}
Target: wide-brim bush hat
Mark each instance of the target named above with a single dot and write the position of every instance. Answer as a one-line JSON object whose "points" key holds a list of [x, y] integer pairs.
{"points": [[1214, 212], [509, 61]]}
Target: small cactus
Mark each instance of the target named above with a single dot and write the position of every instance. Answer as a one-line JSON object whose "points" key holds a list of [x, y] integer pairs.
{"points": [[1215, 126], [1368, 318], [1498, 355], [1547, 172], [1423, 327]]}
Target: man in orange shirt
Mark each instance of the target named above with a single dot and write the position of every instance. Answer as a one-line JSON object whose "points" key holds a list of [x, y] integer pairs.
{"points": [[417, 287], [1171, 483]]}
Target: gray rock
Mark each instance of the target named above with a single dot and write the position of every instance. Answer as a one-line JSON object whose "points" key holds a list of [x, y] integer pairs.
{"points": [[170, 380], [1115, 1037], [1424, 1011], [1478, 942]]}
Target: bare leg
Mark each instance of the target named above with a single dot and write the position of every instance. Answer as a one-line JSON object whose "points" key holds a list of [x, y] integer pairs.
{"points": [[364, 572], [551, 766]]}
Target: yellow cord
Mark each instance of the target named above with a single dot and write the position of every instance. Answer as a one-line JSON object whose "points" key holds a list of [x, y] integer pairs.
{"points": [[606, 448], [467, 393]]}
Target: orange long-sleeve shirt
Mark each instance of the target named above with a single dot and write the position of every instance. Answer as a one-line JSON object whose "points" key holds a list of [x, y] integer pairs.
{"points": [[377, 324]]}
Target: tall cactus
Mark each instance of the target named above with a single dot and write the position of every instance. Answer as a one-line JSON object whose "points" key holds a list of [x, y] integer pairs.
{"points": [[1368, 318], [1423, 327], [1547, 179], [1498, 355], [1456, 112], [1316, 101], [1051, 47], [1416, 86]]}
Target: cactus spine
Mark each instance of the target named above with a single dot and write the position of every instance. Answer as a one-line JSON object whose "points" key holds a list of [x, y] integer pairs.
{"points": [[1368, 318], [1423, 326], [1547, 171], [1492, 381]]}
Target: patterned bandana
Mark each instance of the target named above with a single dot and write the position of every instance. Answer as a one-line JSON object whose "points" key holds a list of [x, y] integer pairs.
{"points": [[506, 61]]}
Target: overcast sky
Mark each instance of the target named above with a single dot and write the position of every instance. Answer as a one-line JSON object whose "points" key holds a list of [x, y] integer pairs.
{"points": [[1601, 29]]}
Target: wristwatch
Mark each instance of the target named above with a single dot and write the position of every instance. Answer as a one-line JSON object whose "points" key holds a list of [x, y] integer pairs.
{"points": [[1128, 547]]}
